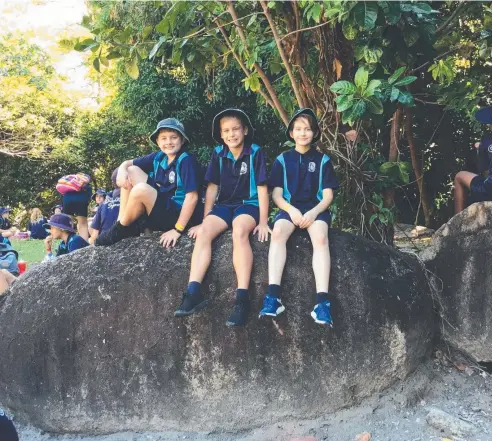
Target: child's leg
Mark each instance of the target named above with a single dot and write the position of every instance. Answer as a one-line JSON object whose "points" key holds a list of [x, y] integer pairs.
{"points": [[318, 232], [135, 176], [83, 227], [6, 280], [242, 254], [462, 182], [141, 199], [211, 227], [277, 253]]}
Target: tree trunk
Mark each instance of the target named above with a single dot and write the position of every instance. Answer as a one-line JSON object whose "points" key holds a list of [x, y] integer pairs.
{"points": [[417, 168]]}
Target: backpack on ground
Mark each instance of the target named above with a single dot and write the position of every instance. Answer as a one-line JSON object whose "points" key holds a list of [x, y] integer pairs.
{"points": [[8, 259], [76, 182]]}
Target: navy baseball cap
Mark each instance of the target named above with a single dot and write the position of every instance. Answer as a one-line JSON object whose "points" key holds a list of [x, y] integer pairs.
{"points": [[5, 210], [484, 115], [61, 221], [296, 115], [99, 191], [168, 123], [237, 113]]}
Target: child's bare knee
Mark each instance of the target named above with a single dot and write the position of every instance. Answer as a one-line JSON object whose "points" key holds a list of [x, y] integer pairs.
{"points": [[279, 234], [319, 240], [240, 232]]}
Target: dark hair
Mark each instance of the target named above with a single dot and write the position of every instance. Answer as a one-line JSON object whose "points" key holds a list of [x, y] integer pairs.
{"points": [[313, 124]]}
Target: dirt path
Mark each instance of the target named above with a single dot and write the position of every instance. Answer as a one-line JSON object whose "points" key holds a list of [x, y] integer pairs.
{"points": [[398, 414]]}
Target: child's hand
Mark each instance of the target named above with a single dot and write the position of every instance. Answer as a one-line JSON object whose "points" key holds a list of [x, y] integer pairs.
{"points": [[122, 180], [476, 145], [262, 230], [193, 232], [308, 219], [169, 238], [295, 215], [47, 243]]}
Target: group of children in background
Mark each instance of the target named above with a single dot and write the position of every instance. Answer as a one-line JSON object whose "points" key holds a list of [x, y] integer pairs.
{"points": [[165, 188]]}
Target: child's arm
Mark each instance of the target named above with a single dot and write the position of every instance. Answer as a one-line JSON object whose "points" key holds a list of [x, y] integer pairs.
{"points": [[280, 202], [122, 176], [263, 200], [311, 215], [94, 234], [7, 233]]}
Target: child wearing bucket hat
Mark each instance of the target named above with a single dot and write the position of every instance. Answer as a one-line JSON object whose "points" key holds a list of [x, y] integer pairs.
{"points": [[61, 227], [480, 188], [303, 181], [164, 185], [237, 198]]}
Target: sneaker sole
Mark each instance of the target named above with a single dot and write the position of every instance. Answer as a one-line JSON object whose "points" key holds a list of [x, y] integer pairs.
{"points": [[235, 325], [319, 322], [269, 314], [197, 308]]}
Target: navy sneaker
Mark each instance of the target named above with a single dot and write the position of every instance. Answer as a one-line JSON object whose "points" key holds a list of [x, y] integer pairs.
{"points": [[239, 314], [322, 314], [190, 304], [272, 306]]}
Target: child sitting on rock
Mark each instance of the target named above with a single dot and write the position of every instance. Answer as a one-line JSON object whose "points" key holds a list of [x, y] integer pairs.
{"points": [[303, 181], [237, 198], [61, 227], [480, 188], [164, 185]]}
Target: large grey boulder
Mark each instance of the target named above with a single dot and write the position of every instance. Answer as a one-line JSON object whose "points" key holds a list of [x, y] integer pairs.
{"points": [[89, 342], [460, 257]]}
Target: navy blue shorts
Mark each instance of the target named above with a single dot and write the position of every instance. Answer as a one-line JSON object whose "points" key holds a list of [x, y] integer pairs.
{"points": [[165, 214], [7, 429], [76, 203], [229, 212], [479, 190], [325, 216]]}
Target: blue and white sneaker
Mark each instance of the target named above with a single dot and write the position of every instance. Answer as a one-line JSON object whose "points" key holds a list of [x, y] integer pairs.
{"points": [[272, 306], [322, 314]]}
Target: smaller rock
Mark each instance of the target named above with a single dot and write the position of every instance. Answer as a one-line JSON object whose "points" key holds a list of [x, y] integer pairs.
{"points": [[449, 424], [366, 436]]}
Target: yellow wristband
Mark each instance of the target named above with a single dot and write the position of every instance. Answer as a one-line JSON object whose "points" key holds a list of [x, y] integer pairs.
{"points": [[179, 227], [288, 206]]}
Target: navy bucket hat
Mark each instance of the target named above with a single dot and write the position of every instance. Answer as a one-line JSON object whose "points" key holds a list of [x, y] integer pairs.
{"points": [[169, 123], [237, 113], [484, 115], [99, 191], [4, 210], [300, 112], [61, 221]]}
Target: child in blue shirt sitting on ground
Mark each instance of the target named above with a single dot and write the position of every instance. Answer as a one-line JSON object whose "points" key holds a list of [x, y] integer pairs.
{"points": [[164, 185], [61, 227], [303, 181], [107, 213], [237, 198]]}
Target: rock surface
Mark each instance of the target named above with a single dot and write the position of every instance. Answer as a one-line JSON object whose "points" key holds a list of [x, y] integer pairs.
{"points": [[89, 343], [459, 256]]}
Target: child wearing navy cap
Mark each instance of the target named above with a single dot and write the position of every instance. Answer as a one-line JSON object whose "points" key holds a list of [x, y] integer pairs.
{"points": [[61, 227], [164, 185], [237, 198], [303, 181], [480, 189]]}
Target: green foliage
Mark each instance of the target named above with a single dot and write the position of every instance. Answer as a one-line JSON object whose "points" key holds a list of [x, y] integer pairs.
{"points": [[382, 215]]}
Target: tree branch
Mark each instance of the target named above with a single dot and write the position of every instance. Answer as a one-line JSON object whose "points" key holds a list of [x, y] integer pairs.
{"points": [[305, 29], [443, 27], [283, 55]]}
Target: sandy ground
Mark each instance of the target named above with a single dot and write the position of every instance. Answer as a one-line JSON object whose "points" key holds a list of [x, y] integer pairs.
{"points": [[400, 413]]}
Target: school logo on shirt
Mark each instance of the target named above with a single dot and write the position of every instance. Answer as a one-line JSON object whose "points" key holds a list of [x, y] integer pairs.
{"points": [[244, 169], [490, 148], [311, 167], [172, 177]]}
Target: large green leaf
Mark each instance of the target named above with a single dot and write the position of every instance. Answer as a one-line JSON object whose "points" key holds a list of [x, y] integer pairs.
{"points": [[146, 31], [157, 46], [349, 31], [418, 8], [365, 14], [392, 11], [372, 55], [344, 102], [371, 88], [131, 68], [374, 105], [396, 74], [361, 78], [343, 87], [406, 98], [395, 92], [359, 109], [405, 80], [97, 64], [404, 172], [163, 26]]}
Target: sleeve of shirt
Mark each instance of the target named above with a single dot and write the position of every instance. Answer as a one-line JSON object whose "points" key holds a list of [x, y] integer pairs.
{"points": [[76, 244], [146, 163], [276, 178], [483, 155], [189, 174], [96, 222], [329, 177], [29, 226], [261, 176], [213, 170]]}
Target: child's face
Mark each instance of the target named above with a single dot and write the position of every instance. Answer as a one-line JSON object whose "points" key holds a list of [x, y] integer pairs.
{"points": [[99, 199], [56, 233], [233, 132], [58, 211], [302, 133], [170, 142], [5, 215]]}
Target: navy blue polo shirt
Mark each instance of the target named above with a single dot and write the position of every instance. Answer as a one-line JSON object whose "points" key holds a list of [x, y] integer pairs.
{"points": [[303, 177], [74, 242], [107, 213], [238, 178], [37, 229], [175, 179]]}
